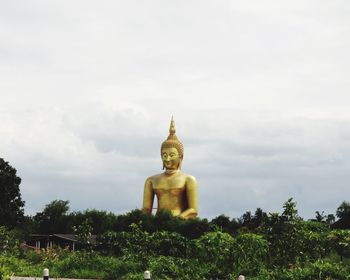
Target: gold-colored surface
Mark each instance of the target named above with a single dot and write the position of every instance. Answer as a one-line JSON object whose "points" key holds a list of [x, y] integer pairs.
{"points": [[175, 190]]}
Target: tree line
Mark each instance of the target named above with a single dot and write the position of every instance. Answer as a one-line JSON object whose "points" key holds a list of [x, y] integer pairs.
{"points": [[56, 217], [259, 244]]}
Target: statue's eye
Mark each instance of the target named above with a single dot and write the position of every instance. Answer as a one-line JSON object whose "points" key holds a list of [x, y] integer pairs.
{"points": [[172, 154]]}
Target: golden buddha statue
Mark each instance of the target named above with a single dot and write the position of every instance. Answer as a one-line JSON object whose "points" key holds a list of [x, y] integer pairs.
{"points": [[175, 190]]}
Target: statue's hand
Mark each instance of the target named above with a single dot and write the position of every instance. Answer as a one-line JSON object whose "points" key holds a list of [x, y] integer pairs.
{"points": [[188, 213]]}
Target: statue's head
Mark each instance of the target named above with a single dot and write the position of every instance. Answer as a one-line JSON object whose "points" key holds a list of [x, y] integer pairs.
{"points": [[172, 150]]}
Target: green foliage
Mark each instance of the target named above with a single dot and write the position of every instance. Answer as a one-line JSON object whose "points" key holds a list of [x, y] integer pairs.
{"points": [[260, 246], [177, 268], [343, 210], [11, 264], [290, 212], [54, 218], [112, 243], [318, 270], [215, 248], [100, 221], [250, 253], [222, 254], [5, 271], [339, 241], [8, 242], [224, 223], [11, 204], [343, 213], [168, 244], [292, 242], [138, 244], [83, 231]]}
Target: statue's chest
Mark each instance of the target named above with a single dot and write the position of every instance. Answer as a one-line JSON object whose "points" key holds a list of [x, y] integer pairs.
{"points": [[171, 185]]}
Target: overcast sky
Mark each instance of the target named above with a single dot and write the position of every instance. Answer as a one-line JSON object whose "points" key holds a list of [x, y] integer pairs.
{"points": [[260, 93]]}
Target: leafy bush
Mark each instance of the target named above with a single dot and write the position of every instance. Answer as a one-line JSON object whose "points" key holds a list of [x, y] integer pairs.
{"points": [[216, 251], [318, 270], [5, 272], [13, 265], [8, 241], [112, 243], [87, 265], [339, 241], [250, 253], [293, 242], [177, 268]]}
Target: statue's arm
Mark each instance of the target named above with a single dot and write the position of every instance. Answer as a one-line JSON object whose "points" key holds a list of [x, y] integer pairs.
{"points": [[191, 192], [148, 197]]}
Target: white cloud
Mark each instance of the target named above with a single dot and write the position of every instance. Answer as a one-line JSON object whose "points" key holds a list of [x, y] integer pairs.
{"points": [[259, 91]]}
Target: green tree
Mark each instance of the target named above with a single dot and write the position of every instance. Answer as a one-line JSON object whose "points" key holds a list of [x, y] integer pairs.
{"points": [[83, 231], [216, 251], [225, 224], [100, 221], [343, 213], [330, 219], [8, 241], [250, 252], [54, 218], [320, 216], [290, 211], [340, 242], [11, 204]]}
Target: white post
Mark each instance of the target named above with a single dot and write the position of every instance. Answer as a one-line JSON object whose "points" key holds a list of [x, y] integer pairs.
{"points": [[241, 277], [46, 274], [147, 275]]}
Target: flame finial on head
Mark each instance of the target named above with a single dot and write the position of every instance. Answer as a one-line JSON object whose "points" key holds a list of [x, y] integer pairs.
{"points": [[172, 129]]}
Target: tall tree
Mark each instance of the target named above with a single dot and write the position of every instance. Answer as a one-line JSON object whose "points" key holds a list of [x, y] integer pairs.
{"points": [[11, 203], [320, 216], [343, 213], [290, 211], [54, 218]]}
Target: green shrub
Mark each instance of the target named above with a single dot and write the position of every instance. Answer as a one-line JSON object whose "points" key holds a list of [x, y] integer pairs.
{"points": [[318, 270], [8, 241], [5, 271], [112, 243], [13, 265], [250, 253], [168, 244], [177, 268], [214, 250], [293, 242], [339, 241]]}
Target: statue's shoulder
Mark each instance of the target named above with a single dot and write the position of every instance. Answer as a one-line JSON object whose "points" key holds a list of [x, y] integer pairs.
{"points": [[190, 178], [156, 176]]}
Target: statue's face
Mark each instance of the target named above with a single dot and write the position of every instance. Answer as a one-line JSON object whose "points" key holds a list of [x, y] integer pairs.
{"points": [[171, 158]]}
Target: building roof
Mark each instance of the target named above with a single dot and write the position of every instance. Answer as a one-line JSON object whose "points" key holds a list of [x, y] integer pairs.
{"points": [[68, 237]]}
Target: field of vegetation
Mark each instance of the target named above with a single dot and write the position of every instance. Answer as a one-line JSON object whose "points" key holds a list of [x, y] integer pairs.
{"points": [[260, 246]]}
